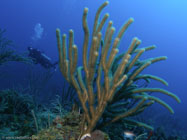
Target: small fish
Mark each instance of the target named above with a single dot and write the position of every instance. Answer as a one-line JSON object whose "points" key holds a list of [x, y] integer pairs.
{"points": [[129, 134], [85, 136]]}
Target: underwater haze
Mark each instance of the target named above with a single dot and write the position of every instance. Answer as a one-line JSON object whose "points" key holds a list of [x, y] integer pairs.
{"points": [[33, 24]]}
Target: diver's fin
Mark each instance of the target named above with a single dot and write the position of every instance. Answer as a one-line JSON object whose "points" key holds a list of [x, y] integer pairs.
{"points": [[55, 63]]}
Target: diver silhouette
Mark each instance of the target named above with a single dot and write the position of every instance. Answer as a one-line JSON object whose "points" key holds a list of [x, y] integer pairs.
{"points": [[40, 58]]}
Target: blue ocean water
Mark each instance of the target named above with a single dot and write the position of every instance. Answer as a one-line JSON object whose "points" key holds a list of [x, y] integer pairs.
{"points": [[163, 23]]}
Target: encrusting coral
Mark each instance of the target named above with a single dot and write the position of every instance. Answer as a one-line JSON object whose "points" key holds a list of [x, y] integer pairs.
{"points": [[113, 73]]}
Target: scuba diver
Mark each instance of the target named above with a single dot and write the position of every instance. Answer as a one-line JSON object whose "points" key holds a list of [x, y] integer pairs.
{"points": [[40, 58]]}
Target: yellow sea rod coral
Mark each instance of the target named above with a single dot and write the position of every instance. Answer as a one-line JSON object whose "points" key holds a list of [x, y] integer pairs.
{"points": [[118, 71]]}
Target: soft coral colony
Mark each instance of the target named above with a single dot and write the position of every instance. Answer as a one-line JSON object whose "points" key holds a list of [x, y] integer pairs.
{"points": [[107, 82]]}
